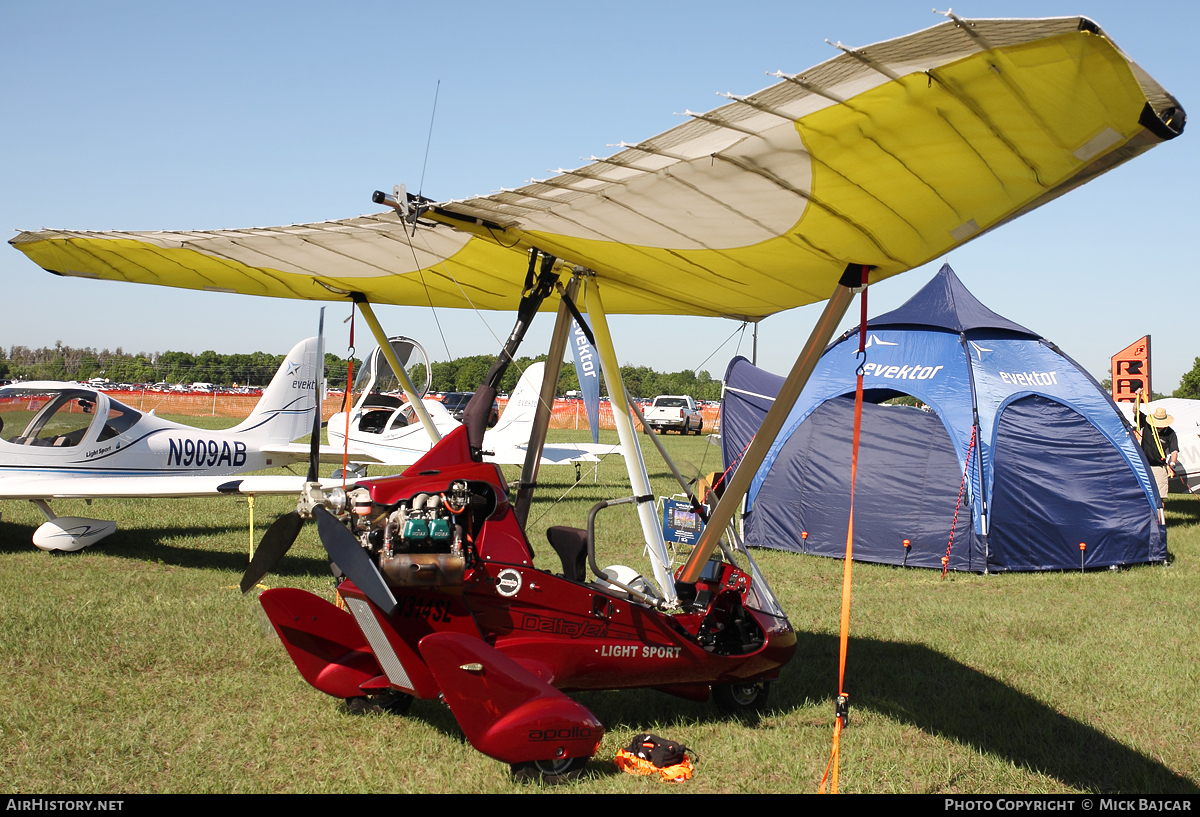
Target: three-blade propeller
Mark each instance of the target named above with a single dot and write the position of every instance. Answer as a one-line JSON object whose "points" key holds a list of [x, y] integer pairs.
{"points": [[282, 534]]}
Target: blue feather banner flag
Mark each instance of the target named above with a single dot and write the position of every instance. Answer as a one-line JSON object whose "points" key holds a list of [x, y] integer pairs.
{"points": [[587, 367]]}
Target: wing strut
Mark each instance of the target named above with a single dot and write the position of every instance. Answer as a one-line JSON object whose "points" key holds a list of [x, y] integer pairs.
{"points": [[638, 478], [722, 515], [385, 347]]}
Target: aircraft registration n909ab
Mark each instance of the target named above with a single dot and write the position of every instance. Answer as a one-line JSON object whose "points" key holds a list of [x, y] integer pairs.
{"points": [[64, 440]]}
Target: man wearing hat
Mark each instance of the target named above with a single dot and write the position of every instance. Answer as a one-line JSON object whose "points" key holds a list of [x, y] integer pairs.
{"points": [[1160, 445]]}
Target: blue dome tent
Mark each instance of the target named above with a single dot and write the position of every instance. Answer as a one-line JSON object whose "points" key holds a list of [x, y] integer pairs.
{"points": [[1049, 461]]}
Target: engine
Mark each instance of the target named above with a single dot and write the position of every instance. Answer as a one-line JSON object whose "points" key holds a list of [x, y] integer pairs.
{"points": [[424, 524], [418, 541]]}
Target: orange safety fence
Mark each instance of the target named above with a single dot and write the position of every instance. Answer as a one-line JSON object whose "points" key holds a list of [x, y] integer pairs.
{"points": [[188, 404]]}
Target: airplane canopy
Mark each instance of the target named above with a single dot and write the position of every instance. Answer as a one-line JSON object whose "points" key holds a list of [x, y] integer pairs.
{"points": [[889, 155]]}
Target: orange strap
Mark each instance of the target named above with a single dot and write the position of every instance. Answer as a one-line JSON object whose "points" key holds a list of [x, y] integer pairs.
{"points": [[847, 569], [833, 760], [958, 504], [346, 398]]}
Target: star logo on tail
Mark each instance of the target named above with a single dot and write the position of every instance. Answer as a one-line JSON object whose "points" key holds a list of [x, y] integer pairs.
{"points": [[979, 350]]}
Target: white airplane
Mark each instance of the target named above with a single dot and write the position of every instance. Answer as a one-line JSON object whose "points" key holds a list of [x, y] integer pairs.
{"points": [[60, 440], [384, 428]]}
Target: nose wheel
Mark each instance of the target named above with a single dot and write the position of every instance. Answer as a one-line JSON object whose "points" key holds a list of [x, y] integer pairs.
{"points": [[550, 772], [743, 698]]}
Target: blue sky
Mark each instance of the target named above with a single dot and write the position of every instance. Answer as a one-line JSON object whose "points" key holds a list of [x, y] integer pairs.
{"points": [[140, 116]]}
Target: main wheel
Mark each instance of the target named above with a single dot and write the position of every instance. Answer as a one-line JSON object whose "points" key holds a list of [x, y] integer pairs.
{"points": [[391, 702], [743, 698], [550, 772]]}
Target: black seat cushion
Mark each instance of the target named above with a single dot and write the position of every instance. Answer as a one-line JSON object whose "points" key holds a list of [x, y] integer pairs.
{"points": [[571, 546]]}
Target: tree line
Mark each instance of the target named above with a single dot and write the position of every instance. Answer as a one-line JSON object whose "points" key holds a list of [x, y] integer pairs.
{"points": [[62, 362], [466, 373]]}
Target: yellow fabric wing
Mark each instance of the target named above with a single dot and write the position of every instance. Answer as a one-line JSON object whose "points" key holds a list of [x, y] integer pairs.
{"points": [[889, 155]]}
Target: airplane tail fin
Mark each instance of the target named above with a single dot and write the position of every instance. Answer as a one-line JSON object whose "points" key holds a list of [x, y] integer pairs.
{"points": [[516, 423], [285, 411]]}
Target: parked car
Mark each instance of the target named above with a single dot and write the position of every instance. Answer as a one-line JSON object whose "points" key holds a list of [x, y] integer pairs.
{"points": [[456, 402], [678, 412]]}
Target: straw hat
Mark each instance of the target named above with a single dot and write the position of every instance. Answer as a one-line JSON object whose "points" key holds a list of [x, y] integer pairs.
{"points": [[1160, 418]]}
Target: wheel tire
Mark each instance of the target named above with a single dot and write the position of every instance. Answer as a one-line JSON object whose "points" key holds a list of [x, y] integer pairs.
{"points": [[549, 772], [743, 698], [392, 702]]}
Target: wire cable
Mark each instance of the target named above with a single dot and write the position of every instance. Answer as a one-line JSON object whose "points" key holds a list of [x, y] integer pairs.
{"points": [[741, 329]]}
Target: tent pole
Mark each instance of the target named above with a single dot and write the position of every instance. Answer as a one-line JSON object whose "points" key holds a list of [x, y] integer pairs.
{"points": [[789, 392], [541, 418], [634, 464]]}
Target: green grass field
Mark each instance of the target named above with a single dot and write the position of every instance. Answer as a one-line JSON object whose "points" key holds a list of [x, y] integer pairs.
{"points": [[136, 666]]}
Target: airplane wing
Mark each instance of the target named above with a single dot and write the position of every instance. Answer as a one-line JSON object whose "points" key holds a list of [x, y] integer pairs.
{"points": [[108, 487], [552, 454], [889, 155], [598, 450], [329, 453]]}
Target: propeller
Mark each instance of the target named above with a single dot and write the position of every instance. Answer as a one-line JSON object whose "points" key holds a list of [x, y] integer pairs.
{"points": [[275, 543], [282, 534], [341, 545], [346, 552]]}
